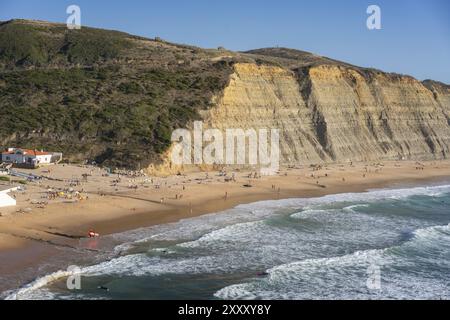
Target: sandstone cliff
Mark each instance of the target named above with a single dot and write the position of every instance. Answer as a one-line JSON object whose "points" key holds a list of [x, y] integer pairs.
{"points": [[337, 112]]}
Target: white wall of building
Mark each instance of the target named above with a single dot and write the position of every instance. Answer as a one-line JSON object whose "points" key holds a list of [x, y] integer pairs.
{"points": [[6, 200], [44, 159], [19, 157]]}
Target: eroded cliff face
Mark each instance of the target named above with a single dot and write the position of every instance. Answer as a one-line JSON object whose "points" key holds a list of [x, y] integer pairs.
{"points": [[266, 97], [441, 93], [337, 113], [377, 116]]}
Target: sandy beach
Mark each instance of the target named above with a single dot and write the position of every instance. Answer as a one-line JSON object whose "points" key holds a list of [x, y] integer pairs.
{"points": [[60, 211]]}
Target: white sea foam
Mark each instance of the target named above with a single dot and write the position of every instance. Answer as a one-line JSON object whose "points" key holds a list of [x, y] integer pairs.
{"points": [[343, 277], [308, 213], [355, 206], [435, 232], [38, 284], [189, 229]]}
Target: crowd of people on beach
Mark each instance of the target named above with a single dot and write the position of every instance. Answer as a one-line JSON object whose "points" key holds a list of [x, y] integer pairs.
{"points": [[167, 189]]}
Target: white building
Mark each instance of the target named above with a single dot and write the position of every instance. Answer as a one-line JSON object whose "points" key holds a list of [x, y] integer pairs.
{"points": [[5, 199], [26, 156]]}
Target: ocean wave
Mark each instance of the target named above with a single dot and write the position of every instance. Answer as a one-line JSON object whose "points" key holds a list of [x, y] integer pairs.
{"points": [[434, 232], [39, 283], [342, 277], [311, 213], [283, 276], [235, 234], [353, 208], [192, 228]]}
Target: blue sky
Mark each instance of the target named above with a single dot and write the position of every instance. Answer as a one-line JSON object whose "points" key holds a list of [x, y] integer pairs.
{"points": [[414, 39]]}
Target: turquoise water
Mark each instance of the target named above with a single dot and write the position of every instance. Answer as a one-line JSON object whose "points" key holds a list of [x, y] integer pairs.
{"points": [[321, 248]]}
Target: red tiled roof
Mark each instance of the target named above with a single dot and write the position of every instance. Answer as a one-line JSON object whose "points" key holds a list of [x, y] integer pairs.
{"points": [[28, 151]]}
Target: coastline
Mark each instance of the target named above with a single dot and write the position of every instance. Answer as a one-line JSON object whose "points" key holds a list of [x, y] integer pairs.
{"points": [[28, 240]]}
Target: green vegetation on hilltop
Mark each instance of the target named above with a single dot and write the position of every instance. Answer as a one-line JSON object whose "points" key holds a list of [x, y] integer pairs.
{"points": [[75, 100], [24, 44]]}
